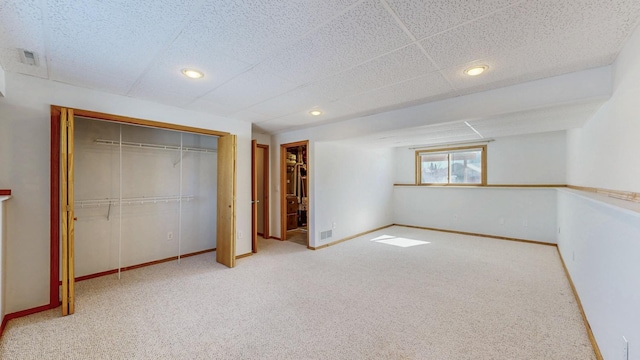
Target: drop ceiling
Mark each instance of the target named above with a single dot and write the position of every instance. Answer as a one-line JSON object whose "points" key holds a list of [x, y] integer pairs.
{"points": [[270, 62], [546, 119]]}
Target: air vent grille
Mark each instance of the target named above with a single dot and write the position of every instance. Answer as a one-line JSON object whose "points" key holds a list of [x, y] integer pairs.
{"points": [[326, 234], [29, 57]]}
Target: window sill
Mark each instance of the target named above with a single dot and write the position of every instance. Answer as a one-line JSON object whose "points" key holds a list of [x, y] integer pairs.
{"points": [[487, 186]]}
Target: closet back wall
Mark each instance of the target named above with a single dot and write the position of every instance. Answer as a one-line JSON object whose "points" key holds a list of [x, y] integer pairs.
{"points": [[151, 229]]}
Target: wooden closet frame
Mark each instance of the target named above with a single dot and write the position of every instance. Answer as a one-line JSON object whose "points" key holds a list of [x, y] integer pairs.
{"points": [[54, 296], [283, 188]]}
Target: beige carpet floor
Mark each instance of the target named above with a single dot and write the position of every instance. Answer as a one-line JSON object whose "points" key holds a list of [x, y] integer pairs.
{"points": [[408, 294]]}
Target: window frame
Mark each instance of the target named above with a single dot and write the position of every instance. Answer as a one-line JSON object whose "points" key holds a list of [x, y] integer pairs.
{"points": [[448, 151]]}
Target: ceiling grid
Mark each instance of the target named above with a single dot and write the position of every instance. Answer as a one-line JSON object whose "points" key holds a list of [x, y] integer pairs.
{"points": [[271, 62]]}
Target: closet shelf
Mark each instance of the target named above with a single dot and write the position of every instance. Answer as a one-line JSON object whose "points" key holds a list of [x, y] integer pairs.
{"points": [[153, 146], [131, 201]]}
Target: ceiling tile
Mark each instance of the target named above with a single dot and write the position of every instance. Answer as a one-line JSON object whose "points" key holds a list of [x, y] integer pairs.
{"points": [[419, 89], [302, 119], [578, 50], [542, 21], [400, 65], [22, 28], [86, 38], [466, 43], [330, 110], [297, 100], [250, 30], [272, 61], [571, 52], [522, 24], [504, 69], [429, 17], [362, 33], [74, 74], [165, 74], [250, 88]]}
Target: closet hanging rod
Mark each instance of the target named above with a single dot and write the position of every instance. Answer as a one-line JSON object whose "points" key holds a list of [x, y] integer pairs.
{"points": [[132, 201], [153, 146]]}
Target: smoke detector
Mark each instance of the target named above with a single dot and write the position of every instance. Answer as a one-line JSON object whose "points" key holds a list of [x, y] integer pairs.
{"points": [[29, 57]]}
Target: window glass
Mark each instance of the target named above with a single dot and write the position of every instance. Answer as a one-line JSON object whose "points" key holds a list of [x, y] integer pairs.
{"points": [[466, 167], [452, 166], [435, 168]]}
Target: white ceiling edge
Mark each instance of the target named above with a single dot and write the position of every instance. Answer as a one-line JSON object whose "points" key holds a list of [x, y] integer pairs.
{"points": [[32, 90], [590, 85], [543, 119], [3, 83]]}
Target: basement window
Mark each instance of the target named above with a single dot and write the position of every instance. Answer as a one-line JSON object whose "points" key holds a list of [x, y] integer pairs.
{"points": [[452, 166]]}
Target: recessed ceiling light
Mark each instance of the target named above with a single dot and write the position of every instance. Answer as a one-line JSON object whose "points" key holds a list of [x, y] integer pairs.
{"points": [[476, 70], [193, 74], [315, 112]]}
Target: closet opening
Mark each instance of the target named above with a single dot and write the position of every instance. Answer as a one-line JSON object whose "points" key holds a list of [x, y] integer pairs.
{"points": [[127, 193], [294, 177]]}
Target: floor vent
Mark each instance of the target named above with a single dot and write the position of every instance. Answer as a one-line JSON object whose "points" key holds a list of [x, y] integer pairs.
{"points": [[326, 234]]}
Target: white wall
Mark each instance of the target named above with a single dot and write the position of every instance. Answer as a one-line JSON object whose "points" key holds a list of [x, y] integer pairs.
{"points": [[353, 190], [24, 168], [601, 248], [604, 154], [523, 213], [263, 139], [405, 165], [520, 213], [526, 159]]}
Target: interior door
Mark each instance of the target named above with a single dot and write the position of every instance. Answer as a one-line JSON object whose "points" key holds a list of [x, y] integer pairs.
{"points": [[226, 231], [67, 211], [261, 190], [254, 197]]}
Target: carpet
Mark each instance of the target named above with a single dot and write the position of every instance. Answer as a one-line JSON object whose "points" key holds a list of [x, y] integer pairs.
{"points": [[397, 293]]}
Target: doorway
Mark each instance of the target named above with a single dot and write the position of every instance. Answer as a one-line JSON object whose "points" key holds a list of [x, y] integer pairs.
{"points": [[294, 209], [63, 201], [259, 193]]}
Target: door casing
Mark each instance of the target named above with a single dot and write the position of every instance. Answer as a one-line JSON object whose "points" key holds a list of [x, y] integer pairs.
{"points": [[283, 188]]}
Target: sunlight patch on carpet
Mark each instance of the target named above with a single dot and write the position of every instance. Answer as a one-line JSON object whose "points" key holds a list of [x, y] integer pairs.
{"points": [[398, 241]]}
